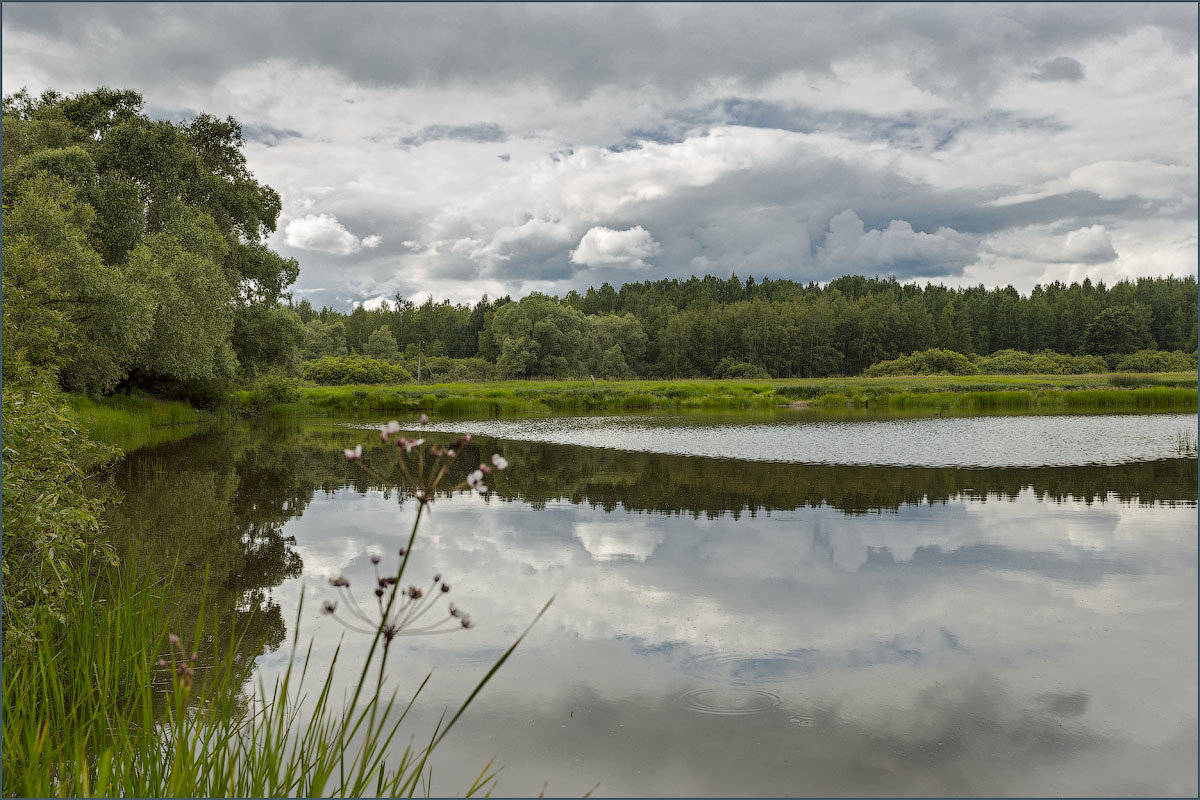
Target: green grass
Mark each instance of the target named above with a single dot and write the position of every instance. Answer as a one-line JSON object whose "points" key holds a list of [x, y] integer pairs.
{"points": [[89, 712], [130, 423], [976, 393]]}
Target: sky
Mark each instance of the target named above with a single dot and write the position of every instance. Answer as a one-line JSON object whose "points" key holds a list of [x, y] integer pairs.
{"points": [[467, 149]]}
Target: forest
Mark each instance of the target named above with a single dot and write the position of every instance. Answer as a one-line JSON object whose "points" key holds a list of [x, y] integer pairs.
{"points": [[728, 328]]}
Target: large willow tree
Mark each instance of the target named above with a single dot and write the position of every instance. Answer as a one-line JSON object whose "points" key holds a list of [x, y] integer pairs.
{"points": [[136, 249]]}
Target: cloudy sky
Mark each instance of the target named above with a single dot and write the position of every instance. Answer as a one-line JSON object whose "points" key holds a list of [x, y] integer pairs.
{"points": [[464, 149]]}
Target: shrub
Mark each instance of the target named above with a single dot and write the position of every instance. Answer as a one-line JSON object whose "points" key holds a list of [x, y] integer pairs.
{"points": [[1157, 361], [1044, 362], [442, 369], [273, 390], [728, 368], [925, 362], [49, 520], [341, 370]]}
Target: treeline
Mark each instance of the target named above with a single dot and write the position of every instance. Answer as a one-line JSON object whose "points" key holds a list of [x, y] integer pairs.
{"points": [[726, 328]]}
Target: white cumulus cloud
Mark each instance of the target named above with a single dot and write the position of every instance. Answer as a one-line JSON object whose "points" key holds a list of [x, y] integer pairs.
{"points": [[1090, 245], [604, 247], [323, 233], [849, 247]]}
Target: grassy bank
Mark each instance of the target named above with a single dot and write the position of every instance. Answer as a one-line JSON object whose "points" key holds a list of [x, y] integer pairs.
{"points": [[131, 422], [982, 393], [111, 704]]}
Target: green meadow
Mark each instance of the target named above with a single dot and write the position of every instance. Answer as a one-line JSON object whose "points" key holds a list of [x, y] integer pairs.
{"points": [[976, 393]]}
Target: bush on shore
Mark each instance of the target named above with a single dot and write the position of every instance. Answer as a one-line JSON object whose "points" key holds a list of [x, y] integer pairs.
{"points": [[1157, 361], [1043, 362], [925, 362], [49, 519], [341, 370], [1018, 362]]}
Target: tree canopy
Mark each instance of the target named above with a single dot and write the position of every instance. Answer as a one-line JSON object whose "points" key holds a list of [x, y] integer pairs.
{"points": [[136, 247], [713, 327]]}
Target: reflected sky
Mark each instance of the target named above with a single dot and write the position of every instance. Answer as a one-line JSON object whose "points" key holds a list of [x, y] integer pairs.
{"points": [[1017, 647], [781, 629]]}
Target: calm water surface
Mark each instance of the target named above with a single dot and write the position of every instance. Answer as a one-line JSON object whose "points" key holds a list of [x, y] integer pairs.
{"points": [[987, 606]]}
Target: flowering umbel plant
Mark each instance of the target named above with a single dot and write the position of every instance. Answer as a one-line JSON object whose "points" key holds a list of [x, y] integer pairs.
{"points": [[183, 668], [398, 609]]}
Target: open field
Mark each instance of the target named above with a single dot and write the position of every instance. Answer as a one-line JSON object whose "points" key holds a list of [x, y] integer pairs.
{"points": [[1175, 391]]}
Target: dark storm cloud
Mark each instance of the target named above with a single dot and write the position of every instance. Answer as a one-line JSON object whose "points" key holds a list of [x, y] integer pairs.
{"points": [[258, 132], [481, 132], [675, 47], [911, 129], [268, 135], [1063, 68]]}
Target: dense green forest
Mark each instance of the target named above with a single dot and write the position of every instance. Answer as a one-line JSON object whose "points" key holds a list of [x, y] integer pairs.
{"points": [[714, 327]]}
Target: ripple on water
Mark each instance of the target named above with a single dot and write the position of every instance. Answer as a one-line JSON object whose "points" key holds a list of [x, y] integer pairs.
{"points": [[739, 669], [729, 700]]}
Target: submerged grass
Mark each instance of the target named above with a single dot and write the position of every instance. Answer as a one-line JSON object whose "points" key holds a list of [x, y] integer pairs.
{"points": [[977, 393]]}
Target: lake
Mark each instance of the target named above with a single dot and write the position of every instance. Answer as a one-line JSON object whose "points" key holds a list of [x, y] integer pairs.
{"points": [[778, 603]]}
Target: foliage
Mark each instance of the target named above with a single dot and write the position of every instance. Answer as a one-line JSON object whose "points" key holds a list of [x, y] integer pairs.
{"points": [[272, 390], [382, 345], [728, 368], [1118, 329], [787, 328], [1157, 361], [927, 362], [268, 338], [100, 314], [538, 337], [442, 369], [340, 370], [324, 338], [135, 248], [49, 520], [1046, 362]]}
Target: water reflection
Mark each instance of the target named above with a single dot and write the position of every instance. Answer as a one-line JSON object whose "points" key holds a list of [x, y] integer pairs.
{"points": [[984, 441], [735, 627]]}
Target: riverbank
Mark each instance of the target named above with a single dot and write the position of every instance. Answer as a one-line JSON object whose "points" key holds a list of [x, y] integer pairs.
{"points": [[132, 422], [981, 393]]}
